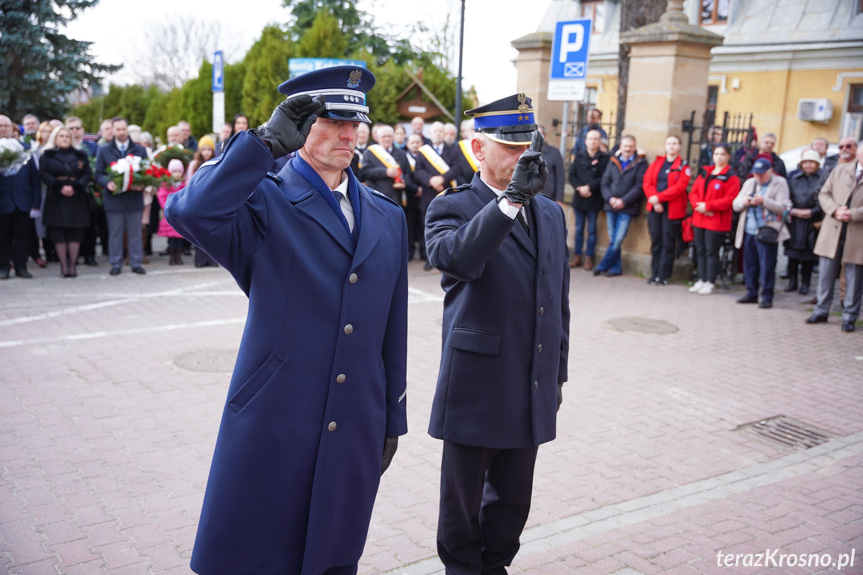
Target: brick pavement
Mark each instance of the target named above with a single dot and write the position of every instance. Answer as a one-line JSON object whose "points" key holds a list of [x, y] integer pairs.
{"points": [[106, 438]]}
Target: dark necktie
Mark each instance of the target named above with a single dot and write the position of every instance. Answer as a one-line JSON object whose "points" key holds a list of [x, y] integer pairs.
{"points": [[523, 221]]}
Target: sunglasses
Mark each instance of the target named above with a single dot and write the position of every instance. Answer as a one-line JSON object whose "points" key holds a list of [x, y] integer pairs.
{"points": [[847, 146]]}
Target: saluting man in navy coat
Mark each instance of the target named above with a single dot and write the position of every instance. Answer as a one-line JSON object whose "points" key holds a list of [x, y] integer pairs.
{"points": [[502, 250], [317, 398]]}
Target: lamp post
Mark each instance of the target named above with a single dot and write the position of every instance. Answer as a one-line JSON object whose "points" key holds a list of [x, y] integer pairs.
{"points": [[458, 117]]}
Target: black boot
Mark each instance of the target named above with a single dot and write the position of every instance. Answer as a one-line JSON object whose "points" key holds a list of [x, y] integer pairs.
{"points": [[792, 285], [793, 267]]}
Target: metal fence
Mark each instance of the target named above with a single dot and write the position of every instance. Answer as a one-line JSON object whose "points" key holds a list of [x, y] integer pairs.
{"points": [[736, 131]]}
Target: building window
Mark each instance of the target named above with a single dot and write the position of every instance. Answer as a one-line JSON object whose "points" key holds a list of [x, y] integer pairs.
{"points": [[595, 10], [853, 120], [715, 11]]}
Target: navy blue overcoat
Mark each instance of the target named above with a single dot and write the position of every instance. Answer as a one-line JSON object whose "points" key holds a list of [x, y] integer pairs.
{"points": [[505, 319], [320, 376]]}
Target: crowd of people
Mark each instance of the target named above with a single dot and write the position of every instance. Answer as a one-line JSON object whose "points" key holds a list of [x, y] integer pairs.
{"points": [[48, 204], [748, 196]]}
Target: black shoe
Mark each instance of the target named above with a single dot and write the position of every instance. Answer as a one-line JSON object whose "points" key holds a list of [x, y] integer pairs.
{"points": [[848, 326], [4, 274], [660, 282], [427, 266], [23, 273], [115, 271], [90, 261], [815, 318], [597, 271], [804, 289], [139, 270], [652, 281], [748, 299], [792, 286], [766, 304]]}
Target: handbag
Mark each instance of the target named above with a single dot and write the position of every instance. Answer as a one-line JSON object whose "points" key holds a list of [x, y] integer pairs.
{"points": [[768, 235]]}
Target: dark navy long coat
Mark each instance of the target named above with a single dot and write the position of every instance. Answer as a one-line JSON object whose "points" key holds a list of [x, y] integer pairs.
{"points": [[320, 376], [505, 321]]}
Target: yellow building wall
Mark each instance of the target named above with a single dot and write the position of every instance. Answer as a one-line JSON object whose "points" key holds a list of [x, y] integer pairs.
{"points": [[772, 97]]}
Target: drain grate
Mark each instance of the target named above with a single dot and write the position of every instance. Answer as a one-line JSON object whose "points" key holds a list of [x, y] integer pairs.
{"points": [[785, 432], [642, 325]]}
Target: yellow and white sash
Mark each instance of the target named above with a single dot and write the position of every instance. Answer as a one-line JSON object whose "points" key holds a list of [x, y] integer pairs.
{"points": [[468, 154], [381, 154], [412, 161], [436, 161]]}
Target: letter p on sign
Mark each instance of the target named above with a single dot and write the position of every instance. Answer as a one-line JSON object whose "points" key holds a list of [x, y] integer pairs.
{"points": [[572, 40]]}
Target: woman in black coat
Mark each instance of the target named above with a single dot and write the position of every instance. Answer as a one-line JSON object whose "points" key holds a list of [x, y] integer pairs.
{"points": [[66, 173], [805, 211]]}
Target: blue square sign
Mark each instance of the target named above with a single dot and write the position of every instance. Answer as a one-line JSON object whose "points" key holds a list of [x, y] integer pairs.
{"points": [[569, 53]]}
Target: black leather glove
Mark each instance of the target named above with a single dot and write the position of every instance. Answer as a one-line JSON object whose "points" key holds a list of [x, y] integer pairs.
{"points": [[530, 174], [287, 128], [391, 443], [559, 395]]}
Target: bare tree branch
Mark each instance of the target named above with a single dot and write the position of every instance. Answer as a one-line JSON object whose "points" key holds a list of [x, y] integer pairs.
{"points": [[176, 48]]}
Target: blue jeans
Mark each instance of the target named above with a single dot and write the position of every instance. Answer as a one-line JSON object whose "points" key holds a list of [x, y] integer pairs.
{"points": [[759, 267], [580, 216], [618, 225]]}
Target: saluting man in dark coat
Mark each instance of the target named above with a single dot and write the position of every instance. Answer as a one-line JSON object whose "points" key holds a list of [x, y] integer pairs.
{"points": [[502, 250], [317, 398]]}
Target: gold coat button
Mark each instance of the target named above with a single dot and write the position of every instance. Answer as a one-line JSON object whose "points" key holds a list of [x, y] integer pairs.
{"points": [[353, 278], [332, 426], [349, 329], [340, 378]]}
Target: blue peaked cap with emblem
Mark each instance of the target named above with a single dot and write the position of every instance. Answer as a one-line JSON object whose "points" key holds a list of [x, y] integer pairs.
{"points": [[509, 120], [343, 88]]}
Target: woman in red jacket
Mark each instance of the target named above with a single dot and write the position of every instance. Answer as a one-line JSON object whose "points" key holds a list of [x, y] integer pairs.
{"points": [[711, 197], [665, 185]]}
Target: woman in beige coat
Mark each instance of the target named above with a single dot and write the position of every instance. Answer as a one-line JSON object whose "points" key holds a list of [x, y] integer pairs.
{"points": [[841, 198], [763, 201]]}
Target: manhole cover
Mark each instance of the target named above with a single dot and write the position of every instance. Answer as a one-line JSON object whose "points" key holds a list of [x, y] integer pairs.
{"points": [[208, 360], [642, 325], [785, 432]]}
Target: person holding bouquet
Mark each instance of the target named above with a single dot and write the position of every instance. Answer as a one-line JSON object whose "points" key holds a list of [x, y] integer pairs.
{"points": [[123, 206], [175, 240], [65, 171]]}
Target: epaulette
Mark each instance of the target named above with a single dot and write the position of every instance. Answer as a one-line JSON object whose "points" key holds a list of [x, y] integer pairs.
{"points": [[455, 189], [274, 176], [380, 195]]}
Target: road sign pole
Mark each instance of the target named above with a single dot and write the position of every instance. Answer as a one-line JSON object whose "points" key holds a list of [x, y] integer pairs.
{"points": [[564, 131]]}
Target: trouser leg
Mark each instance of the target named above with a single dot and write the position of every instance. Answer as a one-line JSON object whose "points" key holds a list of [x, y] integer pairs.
{"points": [[853, 292], [828, 269], [767, 269], [136, 244], [713, 241], [116, 228], [669, 242], [654, 227], [22, 226], [750, 264], [505, 506]]}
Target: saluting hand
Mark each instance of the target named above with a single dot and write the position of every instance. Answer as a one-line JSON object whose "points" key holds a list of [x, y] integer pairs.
{"points": [[530, 174], [288, 127]]}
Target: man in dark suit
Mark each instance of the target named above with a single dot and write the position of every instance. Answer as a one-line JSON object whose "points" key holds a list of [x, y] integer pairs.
{"points": [[123, 209], [418, 126], [20, 196], [556, 175], [386, 168], [362, 143], [317, 400], [437, 169], [502, 249]]}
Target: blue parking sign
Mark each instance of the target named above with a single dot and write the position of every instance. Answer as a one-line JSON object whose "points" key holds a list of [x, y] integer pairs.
{"points": [[569, 52], [218, 72]]}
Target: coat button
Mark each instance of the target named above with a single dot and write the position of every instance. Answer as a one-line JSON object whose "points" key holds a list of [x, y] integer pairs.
{"points": [[539, 348], [353, 278], [340, 378], [536, 385], [349, 329], [332, 426], [541, 310]]}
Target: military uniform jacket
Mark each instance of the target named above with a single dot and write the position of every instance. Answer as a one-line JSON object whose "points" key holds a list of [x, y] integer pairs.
{"points": [[505, 318], [320, 375]]}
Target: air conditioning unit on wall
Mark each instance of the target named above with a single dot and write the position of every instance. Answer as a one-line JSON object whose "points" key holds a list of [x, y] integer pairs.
{"points": [[814, 110]]}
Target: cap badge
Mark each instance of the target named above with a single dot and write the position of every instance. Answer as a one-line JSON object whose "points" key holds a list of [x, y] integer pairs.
{"points": [[522, 100], [354, 79]]}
